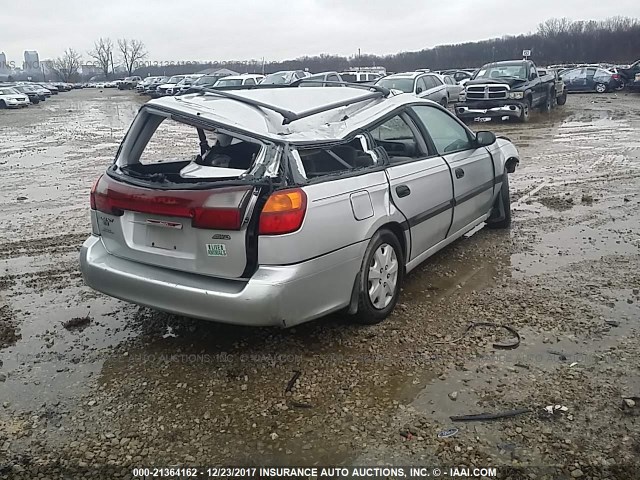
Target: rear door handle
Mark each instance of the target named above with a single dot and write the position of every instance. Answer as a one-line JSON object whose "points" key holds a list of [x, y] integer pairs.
{"points": [[403, 190], [459, 173]]}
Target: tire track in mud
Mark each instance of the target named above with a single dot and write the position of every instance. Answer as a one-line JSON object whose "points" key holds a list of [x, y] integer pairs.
{"points": [[50, 245]]}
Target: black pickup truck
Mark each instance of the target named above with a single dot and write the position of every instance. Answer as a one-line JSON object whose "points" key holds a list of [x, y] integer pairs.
{"points": [[506, 89], [631, 76]]}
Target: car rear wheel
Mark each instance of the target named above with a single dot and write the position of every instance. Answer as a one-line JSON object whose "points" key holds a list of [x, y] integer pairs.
{"points": [[2, 104], [444, 102], [501, 212], [381, 276], [524, 115], [562, 99], [601, 87]]}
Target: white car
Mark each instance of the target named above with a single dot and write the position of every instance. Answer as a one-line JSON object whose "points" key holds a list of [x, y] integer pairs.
{"points": [[11, 98], [285, 77], [238, 80], [419, 83], [167, 88], [360, 77]]}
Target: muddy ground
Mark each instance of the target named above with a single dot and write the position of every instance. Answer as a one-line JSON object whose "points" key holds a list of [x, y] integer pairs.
{"points": [[127, 386]]}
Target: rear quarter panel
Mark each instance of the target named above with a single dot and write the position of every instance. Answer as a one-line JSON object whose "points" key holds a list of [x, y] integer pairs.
{"points": [[330, 222]]}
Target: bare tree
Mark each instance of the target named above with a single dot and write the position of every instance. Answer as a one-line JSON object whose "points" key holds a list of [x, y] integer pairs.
{"points": [[66, 67], [102, 53], [132, 51]]}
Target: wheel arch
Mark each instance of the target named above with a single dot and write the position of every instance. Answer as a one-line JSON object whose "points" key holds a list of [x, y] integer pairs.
{"points": [[398, 230], [511, 164]]}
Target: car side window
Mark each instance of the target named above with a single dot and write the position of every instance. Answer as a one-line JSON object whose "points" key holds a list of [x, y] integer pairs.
{"points": [[435, 80], [250, 81], [428, 81], [448, 80], [420, 85], [447, 134], [398, 140]]}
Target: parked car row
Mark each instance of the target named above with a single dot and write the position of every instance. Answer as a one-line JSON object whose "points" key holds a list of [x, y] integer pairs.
{"points": [[23, 94]]}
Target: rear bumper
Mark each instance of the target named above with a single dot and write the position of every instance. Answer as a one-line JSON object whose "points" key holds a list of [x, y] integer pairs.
{"points": [[472, 111], [274, 296]]}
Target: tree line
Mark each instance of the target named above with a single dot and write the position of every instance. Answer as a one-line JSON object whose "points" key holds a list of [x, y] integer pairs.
{"points": [[556, 41], [128, 53]]}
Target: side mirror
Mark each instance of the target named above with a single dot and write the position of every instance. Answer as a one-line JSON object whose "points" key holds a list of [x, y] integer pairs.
{"points": [[419, 90], [559, 78], [484, 139]]}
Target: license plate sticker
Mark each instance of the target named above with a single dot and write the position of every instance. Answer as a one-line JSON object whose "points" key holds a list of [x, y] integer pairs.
{"points": [[216, 250]]}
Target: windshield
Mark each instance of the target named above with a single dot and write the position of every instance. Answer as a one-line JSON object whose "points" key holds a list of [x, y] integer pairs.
{"points": [[175, 79], [503, 71], [225, 82], [206, 80], [278, 78], [313, 81], [8, 91], [404, 84]]}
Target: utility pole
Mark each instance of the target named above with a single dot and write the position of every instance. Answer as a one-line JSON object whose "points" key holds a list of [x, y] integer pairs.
{"points": [[113, 70]]}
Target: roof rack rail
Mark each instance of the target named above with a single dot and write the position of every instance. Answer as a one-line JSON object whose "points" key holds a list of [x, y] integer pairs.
{"points": [[288, 115], [378, 88]]}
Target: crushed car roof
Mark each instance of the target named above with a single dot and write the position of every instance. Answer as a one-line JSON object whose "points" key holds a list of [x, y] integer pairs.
{"points": [[333, 124]]}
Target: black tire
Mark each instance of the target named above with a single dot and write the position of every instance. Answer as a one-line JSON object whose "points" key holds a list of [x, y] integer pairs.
{"points": [[444, 102], [501, 212], [526, 110], [368, 313], [601, 88], [621, 85], [548, 103], [562, 99]]}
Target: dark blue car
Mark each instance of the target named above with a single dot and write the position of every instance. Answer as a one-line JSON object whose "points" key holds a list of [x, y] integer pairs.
{"points": [[589, 79]]}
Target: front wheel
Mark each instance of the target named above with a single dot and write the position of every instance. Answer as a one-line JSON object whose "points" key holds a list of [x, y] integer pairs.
{"points": [[501, 212], [381, 276], [524, 115], [621, 85], [601, 88], [2, 104], [562, 99]]}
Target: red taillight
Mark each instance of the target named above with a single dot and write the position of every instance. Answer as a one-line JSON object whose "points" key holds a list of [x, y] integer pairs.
{"points": [[283, 212], [219, 209], [92, 198], [616, 76]]}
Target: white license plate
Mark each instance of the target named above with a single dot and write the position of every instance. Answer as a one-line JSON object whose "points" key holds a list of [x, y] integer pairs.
{"points": [[216, 250]]}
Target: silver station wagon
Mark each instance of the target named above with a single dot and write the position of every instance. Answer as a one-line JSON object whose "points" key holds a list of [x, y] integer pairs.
{"points": [[276, 206]]}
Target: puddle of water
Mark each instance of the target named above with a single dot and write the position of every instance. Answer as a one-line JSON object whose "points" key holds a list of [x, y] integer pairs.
{"points": [[573, 244]]}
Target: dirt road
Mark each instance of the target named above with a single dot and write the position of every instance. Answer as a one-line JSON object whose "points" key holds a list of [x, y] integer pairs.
{"points": [[125, 385]]}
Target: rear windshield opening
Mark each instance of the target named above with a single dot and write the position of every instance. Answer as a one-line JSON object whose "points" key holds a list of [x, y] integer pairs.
{"points": [[340, 158], [181, 151]]}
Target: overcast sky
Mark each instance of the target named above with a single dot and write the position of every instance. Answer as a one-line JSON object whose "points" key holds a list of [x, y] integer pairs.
{"points": [[174, 30]]}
